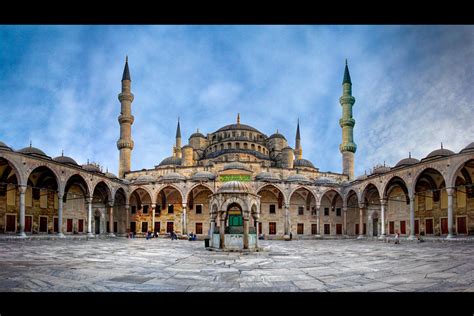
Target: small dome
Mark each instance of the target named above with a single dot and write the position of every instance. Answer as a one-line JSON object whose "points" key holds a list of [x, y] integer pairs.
{"points": [[173, 176], [203, 176], [362, 177], [145, 178], [277, 135], [380, 169], [303, 163], [236, 165], [234, 187], [4, 146], [297, 178], [170, 161], [33, 151], [66, 159], [325, 180], [267, 177], [442, 152], [407, 162], [469, 147], [111, 175], [91, 167], [197, 134], [287, 148]]}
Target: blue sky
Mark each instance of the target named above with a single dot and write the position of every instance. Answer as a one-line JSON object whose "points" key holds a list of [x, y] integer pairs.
{"points": [[413, 87]]}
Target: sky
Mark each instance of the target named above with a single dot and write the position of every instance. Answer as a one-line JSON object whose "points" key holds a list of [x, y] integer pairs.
{"points": [[413, 87]]}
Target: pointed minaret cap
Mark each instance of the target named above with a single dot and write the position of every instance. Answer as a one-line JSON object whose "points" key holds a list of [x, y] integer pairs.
{"points": [[347, 76], [126, 72], [238, 118], [178, 130], [298, 130]]}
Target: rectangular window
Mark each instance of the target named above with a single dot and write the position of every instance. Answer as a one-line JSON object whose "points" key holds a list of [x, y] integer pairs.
{"points": [[107, 227], [28, 223], [327, 229], [36, 193], [461, 225], [158, 210], [429, 226], [314, 229], [391, 228], [300, 210], [198, 228], [80, 226], [115, 227], [145, 209], [157, 227], [326, 211], [11, 224], [260, 231], [133, 227], [365, 229], [55, 225], [338, 229], [144, 227], [169, 227], [272, 208], [134, 209], [199, 209], [69, 225], [300, 229], [403, 228], [170, 209], [43, 224], [417, 227], [338, 211], [357, 229], [272, 228]]}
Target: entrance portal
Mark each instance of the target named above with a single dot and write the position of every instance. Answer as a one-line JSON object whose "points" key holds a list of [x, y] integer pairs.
{"points": [[235, 219], [97, 225]]}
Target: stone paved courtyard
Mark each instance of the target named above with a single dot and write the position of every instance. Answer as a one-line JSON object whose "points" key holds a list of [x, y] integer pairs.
{"points": [[116, 265]]}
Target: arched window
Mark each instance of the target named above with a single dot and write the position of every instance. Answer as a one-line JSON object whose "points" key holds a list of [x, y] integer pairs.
{"points": [[237, 145]]}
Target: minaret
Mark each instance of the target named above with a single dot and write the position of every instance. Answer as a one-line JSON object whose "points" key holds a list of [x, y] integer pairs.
{"points": [[298, 149], [125, 143], [348, 147], [177, 147]]}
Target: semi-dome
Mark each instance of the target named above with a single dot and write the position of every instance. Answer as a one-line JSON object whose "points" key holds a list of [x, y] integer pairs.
{"points": [[380, 169], [172, 176], [203, 176], [170, 161], [468, 148], [145, 178], [303, 163], [111, 175], [66, 160], [91, 167], [234, 187], [277, 135], [33, 151], [236, 165], [407, 162], [325, 180], [297, 178], [237, 127], [442, 152], [4, 146], [267, 177]]}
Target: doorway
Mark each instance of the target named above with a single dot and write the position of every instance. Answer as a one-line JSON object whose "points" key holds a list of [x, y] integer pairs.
{"points": [[97, 225], [375, 223]]}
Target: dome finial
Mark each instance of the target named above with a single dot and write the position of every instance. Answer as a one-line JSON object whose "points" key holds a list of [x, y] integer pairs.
{"points": [[87, 160], [277, 131], [346, 61], [197, 131], [238, 118], [409, 154], [30, 143], [62, 152], [441, 145]]}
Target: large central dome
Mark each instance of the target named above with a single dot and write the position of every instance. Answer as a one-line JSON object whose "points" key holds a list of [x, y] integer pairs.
{"points": [[238, 127]]}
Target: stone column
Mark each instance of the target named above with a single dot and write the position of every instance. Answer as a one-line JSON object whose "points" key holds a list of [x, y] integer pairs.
{"points": [[344, 213], [211, 233], [450, 192], [382, 215], [412, 218], [60, 214], [287, 221], [370, 229], [246, 233], [222, 232], [127, 218], [361, 222], [111, 219], [89, 217], [257, 232], [22, 191], [153, 208], [185, 220], [318, 223]]}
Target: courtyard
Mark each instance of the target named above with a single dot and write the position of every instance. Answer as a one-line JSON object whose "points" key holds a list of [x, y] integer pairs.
{"points": [[163, 265]]}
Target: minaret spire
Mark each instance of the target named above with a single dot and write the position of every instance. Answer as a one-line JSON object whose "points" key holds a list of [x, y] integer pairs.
{"points": [[177, 147], [348, 147], [238, 118], [125, 143], [178, 130], [298, 148]]}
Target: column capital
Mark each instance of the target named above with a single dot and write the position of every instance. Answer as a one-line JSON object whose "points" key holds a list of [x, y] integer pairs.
{"points": [[22, 188], [184, 205], [383, 201], [127, 206], [89, 199], [361, 205], [450, 191], [111, 203], [153, 206]]}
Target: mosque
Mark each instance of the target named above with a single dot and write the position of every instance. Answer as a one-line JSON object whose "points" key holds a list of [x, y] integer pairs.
{"points": [[234, 185]]}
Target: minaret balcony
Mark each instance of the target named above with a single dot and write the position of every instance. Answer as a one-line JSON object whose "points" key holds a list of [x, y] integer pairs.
{"points": [[347, 99], [126, 97], [347, 122], [348, 147], [126, 119], [125, 143]]}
